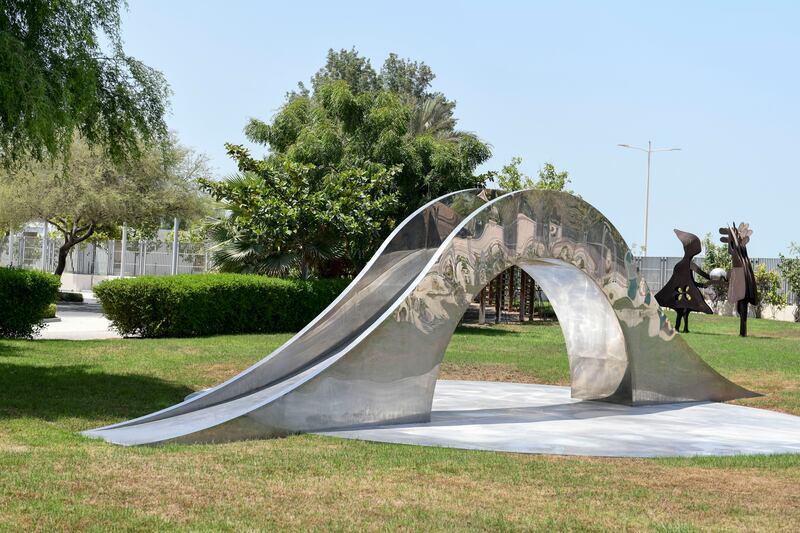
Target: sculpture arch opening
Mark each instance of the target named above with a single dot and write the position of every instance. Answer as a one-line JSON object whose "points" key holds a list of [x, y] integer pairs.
{"points": [[595, 344]]}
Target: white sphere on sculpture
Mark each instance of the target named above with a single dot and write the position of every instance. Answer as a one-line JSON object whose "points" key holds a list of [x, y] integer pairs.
{"points": [[718, 274]]}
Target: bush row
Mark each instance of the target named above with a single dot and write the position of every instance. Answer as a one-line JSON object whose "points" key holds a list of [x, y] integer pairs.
{"points": [[210, 304], [25, 296]]}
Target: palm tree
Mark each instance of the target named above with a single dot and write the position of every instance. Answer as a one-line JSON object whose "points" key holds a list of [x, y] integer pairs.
{"points": [[433, 115], [237, 250]]}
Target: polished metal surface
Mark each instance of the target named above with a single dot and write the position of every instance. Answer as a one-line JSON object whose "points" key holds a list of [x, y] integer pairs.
{"points": [[373, 356]]}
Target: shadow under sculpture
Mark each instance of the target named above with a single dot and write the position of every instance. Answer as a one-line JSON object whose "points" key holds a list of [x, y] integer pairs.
{"points": [[373, 356]]}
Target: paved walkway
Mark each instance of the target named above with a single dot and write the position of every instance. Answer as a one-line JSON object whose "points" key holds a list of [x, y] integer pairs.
{"points": [[79, 321], [513, 417]]}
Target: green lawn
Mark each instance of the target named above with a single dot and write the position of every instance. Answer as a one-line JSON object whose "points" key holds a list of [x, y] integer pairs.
{"points": [[51, 478]]}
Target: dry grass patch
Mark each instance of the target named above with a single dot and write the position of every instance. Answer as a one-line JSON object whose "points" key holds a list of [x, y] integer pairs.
{"points": [[491, 372]]}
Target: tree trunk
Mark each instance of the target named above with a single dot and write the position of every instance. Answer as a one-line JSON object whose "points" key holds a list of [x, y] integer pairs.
{"points": [[63, 252], [71, 238]]}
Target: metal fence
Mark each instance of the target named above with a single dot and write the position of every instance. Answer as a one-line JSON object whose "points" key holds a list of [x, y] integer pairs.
{"points": [[656, 271], [105, 258]]}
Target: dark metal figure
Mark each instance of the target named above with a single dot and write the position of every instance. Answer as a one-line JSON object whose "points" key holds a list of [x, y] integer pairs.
{"points": [[742, 281], [682, 292]]}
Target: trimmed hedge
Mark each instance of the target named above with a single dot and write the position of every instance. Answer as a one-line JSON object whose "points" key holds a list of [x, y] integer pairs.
{"points": [[211, 304], [73, 297], [24, 298]]}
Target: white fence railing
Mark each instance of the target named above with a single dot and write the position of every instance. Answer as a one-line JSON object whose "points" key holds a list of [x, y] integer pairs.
{"points": [[105, 258]]}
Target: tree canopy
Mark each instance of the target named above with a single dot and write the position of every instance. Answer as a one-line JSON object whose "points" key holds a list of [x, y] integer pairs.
{"points": [[93, 194], [63, 70], [354, 117], [382, 142]]}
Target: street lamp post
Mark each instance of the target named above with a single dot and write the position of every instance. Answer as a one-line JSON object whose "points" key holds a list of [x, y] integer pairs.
{"points": [[649, 150]]}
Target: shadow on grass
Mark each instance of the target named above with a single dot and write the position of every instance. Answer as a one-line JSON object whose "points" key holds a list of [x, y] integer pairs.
{"points": [[53, 392], [11, 350], [492, 330]]}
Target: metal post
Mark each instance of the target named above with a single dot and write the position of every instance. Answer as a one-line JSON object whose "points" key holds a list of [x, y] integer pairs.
{"points": [[482, 310], [647, 195], [124, 250], [174, 268], [44, 247]]}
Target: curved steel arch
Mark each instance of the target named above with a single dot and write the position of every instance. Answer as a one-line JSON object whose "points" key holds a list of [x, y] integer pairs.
{"points": [[373, 356]]}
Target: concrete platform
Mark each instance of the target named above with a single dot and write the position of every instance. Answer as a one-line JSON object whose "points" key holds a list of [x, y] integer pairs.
{"points": [[543, 419]]}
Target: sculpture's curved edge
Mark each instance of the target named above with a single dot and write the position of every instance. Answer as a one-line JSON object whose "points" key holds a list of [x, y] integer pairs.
{"points": [[197, 401]]}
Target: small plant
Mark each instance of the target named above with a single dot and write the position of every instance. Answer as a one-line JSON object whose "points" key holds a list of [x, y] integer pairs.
{"points": [[768, 287], [25, 297], [50, 311], [789, 267]]}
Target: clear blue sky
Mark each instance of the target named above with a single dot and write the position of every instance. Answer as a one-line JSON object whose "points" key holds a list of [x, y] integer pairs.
{"points": [[557, 81]]}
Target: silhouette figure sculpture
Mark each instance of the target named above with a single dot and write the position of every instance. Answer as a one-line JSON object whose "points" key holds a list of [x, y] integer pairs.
{"points": [[742, 281], [682, 292]]}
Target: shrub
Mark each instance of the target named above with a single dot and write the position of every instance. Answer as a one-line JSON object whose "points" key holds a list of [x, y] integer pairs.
{"points": [[50, 311], [70, 296], [768, 288], [211, 304], [24, 298]]}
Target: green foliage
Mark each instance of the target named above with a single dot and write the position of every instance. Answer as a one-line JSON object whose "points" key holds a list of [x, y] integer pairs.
{"points": [[409, 79], [551, 180], [285, 218], [211, 304], [789, 267], [50, 311], [91, 193], [511, 178], [63, 70], [716, 256], [347, 160], [768, 288], [25, 297]]}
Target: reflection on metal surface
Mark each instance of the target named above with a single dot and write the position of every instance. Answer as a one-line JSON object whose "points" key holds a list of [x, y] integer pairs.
{"points": [[373, 356]]}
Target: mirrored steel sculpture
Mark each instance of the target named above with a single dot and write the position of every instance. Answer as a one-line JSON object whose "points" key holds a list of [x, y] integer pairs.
{"points": [[741, 280], [373, 356], [682, 292]]}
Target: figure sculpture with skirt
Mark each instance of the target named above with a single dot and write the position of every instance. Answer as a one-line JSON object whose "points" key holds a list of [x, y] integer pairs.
{"points": [[682, 292]]}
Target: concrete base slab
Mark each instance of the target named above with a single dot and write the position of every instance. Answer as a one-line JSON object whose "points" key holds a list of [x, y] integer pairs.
{"points": [[543, 419]]}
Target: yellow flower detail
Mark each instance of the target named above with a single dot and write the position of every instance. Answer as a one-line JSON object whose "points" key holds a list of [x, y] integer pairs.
{"points": [[683, 293]]}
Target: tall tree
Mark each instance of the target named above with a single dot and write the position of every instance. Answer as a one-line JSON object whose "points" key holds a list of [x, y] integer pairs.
{"points": [[91, 193], [383, 132], [63, 70]]}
